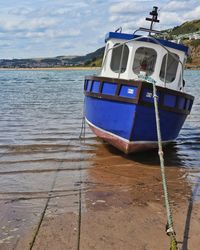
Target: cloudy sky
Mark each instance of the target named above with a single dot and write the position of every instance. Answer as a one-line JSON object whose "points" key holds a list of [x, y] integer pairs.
{"points": [[45, 28]]}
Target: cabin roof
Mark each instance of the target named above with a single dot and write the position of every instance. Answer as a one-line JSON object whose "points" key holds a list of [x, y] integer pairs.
{"points": [[166, 43]]}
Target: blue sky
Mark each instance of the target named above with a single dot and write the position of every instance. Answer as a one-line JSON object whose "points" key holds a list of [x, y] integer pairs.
{"points": [[41, 28]]}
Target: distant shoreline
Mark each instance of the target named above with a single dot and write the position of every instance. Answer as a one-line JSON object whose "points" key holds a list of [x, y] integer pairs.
{"points": [[191, 67], [59, 68]]}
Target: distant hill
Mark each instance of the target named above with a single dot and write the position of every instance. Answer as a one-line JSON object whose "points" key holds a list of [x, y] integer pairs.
{"points": [[185, 28], [89, 59], [193, 60], [59, 61], [189, 34]]}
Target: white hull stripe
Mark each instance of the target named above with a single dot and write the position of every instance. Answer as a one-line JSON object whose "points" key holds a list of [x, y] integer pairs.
{"points": [[121, 138]]}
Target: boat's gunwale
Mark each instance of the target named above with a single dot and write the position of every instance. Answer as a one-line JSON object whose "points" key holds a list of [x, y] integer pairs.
{"points": [[137, 100], [132, 82]]}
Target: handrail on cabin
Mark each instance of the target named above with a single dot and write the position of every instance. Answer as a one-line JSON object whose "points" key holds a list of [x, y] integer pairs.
{"points": [[147, 30], [139, 38]]}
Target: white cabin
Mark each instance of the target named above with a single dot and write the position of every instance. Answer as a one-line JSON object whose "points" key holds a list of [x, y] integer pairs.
{"points": [[144, 57]]}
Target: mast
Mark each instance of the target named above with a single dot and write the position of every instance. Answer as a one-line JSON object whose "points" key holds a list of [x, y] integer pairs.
{"points": [[154, 19]]}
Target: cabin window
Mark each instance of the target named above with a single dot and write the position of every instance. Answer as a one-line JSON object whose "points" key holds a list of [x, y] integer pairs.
{"points": [[116, 58], [144, 61], [171, 69]]}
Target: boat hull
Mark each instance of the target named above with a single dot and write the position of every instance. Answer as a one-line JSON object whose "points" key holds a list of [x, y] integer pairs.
{"points": [[122, 112], [122, 144]]}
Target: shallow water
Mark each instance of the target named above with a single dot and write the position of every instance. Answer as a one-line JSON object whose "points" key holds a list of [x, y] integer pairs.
{"points": [[41, 155], [40, 123]]}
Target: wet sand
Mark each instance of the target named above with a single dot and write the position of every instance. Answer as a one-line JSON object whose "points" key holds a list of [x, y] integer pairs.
{"points": [[105, 200]]}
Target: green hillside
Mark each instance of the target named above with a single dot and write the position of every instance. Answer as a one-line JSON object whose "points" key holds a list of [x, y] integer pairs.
{"points": [[185, 28], [93, 59], [95, 62]]}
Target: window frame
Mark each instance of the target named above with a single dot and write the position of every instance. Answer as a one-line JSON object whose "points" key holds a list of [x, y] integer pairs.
{"points": [[161, 65], [120, 54], [155, 60]]}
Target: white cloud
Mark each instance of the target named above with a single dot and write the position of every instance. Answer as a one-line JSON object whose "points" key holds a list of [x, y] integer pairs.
{"points": [[170, 19], [177, 6], [193, 14], [48, 34], [39, 23], [129, 7], [49, 28], [21, 11], [18, 24], [132, 13]]}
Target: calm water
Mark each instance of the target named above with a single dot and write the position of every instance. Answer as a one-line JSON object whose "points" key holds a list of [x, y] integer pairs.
{"points": [[43, 109], [40, 123]]}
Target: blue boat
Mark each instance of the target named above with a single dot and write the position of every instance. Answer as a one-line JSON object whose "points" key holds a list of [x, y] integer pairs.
{"points": [[119, 103]]}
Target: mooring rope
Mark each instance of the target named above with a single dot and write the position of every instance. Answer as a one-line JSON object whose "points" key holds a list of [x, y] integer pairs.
{"points": [[82, 133], [81, 136], [169, 228]]}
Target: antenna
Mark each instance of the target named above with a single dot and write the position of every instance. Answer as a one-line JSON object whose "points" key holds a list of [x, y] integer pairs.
{"points": [[154, 14], [154, 19]]}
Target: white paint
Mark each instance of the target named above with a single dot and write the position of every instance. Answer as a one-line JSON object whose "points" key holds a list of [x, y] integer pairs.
{"points": [[121, 138], [130, 91], [129, 74], [149, 94]]}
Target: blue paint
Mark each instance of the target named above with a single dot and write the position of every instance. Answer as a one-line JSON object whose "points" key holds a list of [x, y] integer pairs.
{"points": [[147, 95], [166, 43], [191, 103], [145, 124], [128, 91], [88, 86], [116, 35], [169, 100], [119, 118], [114, 117], [135, 122], [187, 106], [95, 87], [181, 102], [109, 88]]}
